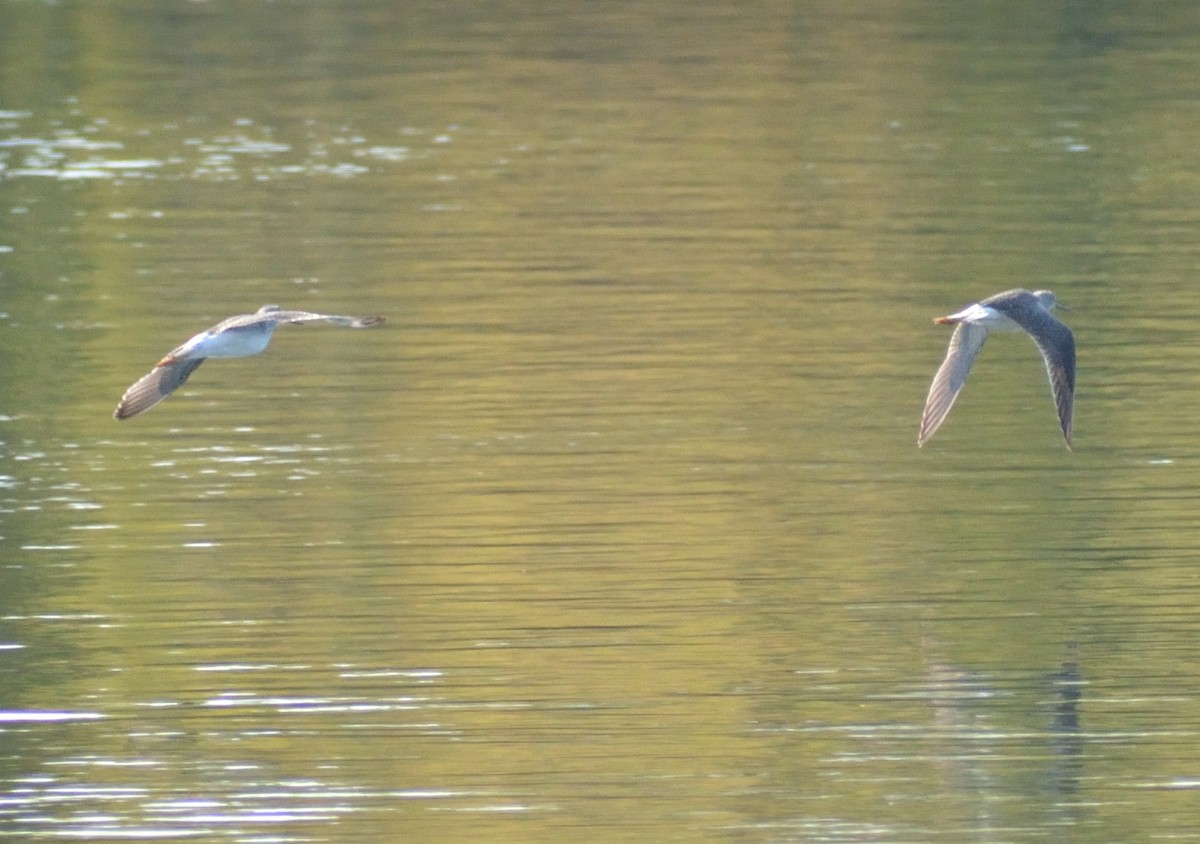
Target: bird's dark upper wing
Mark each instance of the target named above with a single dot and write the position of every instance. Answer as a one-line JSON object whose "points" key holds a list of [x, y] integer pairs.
{"points": [[155, 386], [1057, 345]]}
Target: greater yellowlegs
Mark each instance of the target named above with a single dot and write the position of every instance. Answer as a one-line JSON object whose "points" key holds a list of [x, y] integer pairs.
{"points": [[1012, 310], [236, 337]]}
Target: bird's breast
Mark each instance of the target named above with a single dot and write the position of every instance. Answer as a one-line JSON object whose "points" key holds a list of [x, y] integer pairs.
{"points": [[985, 317], [232, 343]]}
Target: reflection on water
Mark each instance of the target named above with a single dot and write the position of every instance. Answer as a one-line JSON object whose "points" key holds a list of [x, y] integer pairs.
{"points": [[1067, 686], [617, 529]]}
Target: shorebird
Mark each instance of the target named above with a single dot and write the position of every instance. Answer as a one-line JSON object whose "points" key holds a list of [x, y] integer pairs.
{"points": [[1012, 310], [236, 337]]}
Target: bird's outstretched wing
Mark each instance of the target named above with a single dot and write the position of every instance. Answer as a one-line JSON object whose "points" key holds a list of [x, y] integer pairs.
{"points": [[155, 386], [965, 344], [336, 319], [1057, 345]]}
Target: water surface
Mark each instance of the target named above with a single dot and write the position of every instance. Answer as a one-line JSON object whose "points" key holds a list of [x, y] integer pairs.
{"points": [[617, 529]]}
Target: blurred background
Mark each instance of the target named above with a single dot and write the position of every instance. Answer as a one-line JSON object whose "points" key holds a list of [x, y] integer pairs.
{"points": [[617, 529]]}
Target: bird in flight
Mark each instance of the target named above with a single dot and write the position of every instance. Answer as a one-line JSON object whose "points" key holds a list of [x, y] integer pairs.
{"points": [[236, 337], [1012, 310]]}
